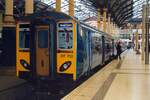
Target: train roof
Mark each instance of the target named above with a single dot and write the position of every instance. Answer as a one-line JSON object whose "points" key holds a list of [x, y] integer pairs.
{"points": [[58, 15], [94, 29], [46, 14]]}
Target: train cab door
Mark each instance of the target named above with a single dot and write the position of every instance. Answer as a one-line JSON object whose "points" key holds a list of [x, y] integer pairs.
{"points": [[42, 51]]}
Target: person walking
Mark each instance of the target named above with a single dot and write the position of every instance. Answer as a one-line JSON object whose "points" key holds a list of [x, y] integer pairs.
{"points": [[119, 50]]}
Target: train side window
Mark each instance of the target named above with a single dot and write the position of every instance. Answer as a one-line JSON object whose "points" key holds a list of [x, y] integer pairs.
{"points": [[43, 39], [24, 39]]}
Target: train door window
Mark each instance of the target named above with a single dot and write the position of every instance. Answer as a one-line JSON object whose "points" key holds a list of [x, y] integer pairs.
{"points": [[83, 32], [43, 39], [24, 39]]}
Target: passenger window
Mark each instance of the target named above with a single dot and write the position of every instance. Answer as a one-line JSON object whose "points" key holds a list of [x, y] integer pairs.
{"points": [[24, 39], [43, 39]]}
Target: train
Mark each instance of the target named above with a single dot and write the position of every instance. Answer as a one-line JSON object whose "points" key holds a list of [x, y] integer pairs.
{"points": [[51, 44]]}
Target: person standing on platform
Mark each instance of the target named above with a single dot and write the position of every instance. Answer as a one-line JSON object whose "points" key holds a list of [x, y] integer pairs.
{"points": [[119, 50]]}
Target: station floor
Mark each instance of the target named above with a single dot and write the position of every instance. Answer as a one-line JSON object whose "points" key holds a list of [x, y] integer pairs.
{"points": [[126, 79]]}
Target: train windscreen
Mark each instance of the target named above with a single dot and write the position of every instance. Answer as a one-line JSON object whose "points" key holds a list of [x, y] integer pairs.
{"points": [[24, 39], [65, 36]]}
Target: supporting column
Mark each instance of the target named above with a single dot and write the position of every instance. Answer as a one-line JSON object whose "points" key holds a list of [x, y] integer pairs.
{"points": [[58, 5], [104, 19], [147, 35], [109, 27], [29, 7], [113, 28], [99, 20], [137, 40], [9, 19], [71, 8], [1, 23], [143, 32], [116, 29]]}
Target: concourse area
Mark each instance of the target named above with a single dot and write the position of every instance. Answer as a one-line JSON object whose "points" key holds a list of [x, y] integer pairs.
{"points": [[132, 80], [126, 79]]}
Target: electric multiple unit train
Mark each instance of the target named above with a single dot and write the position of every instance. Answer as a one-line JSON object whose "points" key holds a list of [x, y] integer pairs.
{"points": [[53, 44]]}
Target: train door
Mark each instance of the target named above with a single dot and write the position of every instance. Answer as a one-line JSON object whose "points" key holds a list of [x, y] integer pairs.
{"points": [[89, 49], [103, 46], [85, 50], [43, 51]]}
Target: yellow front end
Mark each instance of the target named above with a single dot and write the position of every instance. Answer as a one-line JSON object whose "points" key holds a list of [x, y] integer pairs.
{"points": [[22, 52], [66, 48]]}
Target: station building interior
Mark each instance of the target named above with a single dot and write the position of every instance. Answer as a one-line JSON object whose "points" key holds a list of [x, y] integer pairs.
{"points": [[74, 50]]}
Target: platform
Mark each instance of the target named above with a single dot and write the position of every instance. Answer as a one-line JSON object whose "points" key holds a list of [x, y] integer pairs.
{"points": [[128, 79], [12, 88]]}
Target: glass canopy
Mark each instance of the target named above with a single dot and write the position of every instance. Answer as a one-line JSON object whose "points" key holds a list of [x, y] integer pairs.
{"points": [[137, 7], [83, 8]]}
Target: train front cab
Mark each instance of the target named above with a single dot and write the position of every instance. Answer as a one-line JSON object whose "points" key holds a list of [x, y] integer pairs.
{"points": [[66, 48], [22, 49], [52, 46], [54, 52]]}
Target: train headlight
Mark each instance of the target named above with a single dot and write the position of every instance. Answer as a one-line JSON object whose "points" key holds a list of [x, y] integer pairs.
{"points": [[25, 64], [65, 66]]}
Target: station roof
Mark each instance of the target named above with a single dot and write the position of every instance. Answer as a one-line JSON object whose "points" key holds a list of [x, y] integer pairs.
{"points": [[121, 11]]}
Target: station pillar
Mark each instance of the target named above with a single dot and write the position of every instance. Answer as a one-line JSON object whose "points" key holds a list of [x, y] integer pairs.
{"points": [[147, 34], [9, 19], [143, 32], [1, 22], [111, 26], [71, 8], [29, 7], [137, 39], [104, 19], [8, 33], [115, 28], [109, 21], [99, 19], [58, 5]]}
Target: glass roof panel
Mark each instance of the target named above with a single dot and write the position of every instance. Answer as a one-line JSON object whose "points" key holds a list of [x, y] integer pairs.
{"points": [[83, 8], [137, 7]]}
